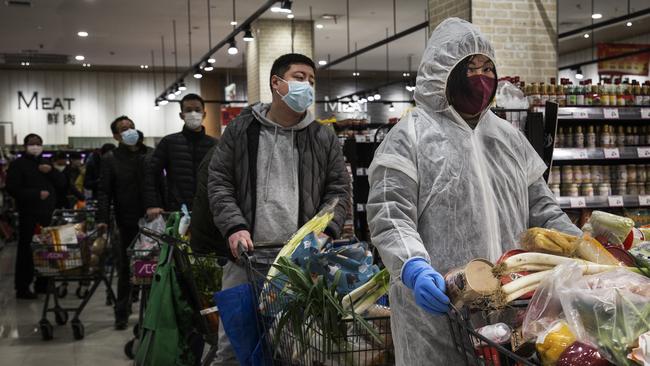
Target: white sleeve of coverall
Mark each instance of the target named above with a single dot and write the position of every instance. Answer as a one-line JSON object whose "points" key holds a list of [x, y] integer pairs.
{"points": [[392, 211]]}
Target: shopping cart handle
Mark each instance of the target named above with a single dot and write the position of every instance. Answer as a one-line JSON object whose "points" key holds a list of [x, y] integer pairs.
{"points": [[241, 250]]}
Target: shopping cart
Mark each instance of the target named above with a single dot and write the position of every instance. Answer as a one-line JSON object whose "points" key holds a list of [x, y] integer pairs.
{"points": [[356, 347], [74, 252], [143, 267], [200, 277], [477, 350]]}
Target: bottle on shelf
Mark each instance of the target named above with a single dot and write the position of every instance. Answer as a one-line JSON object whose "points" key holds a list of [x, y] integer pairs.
{"points": [[570, 96], [559, 137], [589, 98], [620, 94], [603, 90], [559, 92], [637, 92], [605, 137], [535, 94], [645, 91], [620, 136], [591, 137], [627, 93], [550, 90], [543, 94], [636, 138], [580, 95], [529, 94], [568, 137], [595, 97], [629, 136], [579, 138]]}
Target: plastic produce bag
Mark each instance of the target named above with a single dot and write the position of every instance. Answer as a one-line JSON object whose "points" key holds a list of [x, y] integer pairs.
{"points": [[510, 97], [612, 228], [144, 243]]}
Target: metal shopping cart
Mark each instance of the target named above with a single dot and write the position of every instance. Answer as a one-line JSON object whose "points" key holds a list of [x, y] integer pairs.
{"points": [[477, 350], [71, 251], [355, 346], [200, 277]]}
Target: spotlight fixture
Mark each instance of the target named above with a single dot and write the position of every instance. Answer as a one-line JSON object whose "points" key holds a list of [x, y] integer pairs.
{"points": [[164, 102], [579, 75], [24, 63], [371, 98], [629, 24], [171, 95], [182, 86], [284, 7], [144, 66], [155, 106], [586, 35], [232, 50], [177, 90], [248, 36], [197, 74], [355, 73], [322, 62], [290, 16], [319, 26], [391, 108], [406, 74], [85, 65], [363, 100], [377, 95], [208, 67], [79, 58], [82, 34], [596, 16], [233, 22], [211, 60]]}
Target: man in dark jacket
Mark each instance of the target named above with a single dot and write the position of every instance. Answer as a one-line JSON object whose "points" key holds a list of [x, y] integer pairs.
{"points": [[273, 170], [179, 155], [93, 169], [34, 184], [121, 183]]}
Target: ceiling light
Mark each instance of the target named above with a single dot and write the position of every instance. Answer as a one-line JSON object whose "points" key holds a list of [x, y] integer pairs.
{"points": [[248, 36], [579, 75], [355, 73], [211, 60], [377, 96], [322, 62], [171, 95], [177, 90], [208, 68], [155, 106], [586, 35], [232, 50], [319, 26], [82, 34], [79, 58], [144, 66], [363, 100], [391, 108], [197, 74], [355, 97], [596, 16], [371, 98], [283, 6], [233, 22], [629, 24], [24, 63], [182, 86], [163, 102], [290, 16]]}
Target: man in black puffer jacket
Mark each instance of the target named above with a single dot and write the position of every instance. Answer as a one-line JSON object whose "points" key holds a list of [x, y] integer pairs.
{"points": [[121, 183], [179, 155]]}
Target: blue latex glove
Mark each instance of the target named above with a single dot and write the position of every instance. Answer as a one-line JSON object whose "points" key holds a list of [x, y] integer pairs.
{"points": [[428, 286]]}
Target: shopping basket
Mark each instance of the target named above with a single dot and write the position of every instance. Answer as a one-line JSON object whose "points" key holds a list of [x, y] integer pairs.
{"points": [[73, 252], [200, 277], [477, 350], [281, 345]]}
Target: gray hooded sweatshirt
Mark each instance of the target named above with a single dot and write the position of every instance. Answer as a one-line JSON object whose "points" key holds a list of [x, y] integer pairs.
{"points": [[276, 212]]}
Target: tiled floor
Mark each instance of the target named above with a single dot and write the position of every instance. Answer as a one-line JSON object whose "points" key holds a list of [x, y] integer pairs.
{"points": [[20, 341]]}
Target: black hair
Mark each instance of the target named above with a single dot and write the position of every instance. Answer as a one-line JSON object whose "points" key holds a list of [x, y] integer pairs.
{"points": [[106, 148], [32, 135], [283, 63], [192, 96], [140, 136], [116, 120], [58, 156], [74, 155], [458, 79]]}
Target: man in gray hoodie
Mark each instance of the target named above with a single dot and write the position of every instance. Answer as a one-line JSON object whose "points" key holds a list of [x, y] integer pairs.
{"points": [[273, 169]]}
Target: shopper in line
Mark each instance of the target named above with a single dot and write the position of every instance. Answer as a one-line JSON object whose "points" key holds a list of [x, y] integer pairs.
{"points": [[121, 183], [179, 155], [72, 170], [451, 182], [93, 169], [273, 170], [60, 163], [34, 184]]}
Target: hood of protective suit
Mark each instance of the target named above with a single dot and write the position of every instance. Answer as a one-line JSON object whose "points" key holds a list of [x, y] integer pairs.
{"points": [[451, 41]]}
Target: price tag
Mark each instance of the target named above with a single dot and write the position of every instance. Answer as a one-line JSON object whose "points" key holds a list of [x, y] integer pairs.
{"points": [[577, 202], [580, 114], [610, 113], [611, 153], [581, 154], [644, 200], [360, 138], [645, 113], [361, 207], [615, 201], [361, 171], [643, 152]]}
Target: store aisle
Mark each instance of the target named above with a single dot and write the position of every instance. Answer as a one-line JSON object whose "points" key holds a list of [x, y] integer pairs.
{"points": [[21, 344]]}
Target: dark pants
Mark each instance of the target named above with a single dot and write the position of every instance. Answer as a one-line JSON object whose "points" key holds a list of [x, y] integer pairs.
{"points": [[24, 274], [123, 305]]}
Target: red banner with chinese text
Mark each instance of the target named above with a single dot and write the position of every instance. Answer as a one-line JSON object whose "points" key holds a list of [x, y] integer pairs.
{"points": [[631, 65]]}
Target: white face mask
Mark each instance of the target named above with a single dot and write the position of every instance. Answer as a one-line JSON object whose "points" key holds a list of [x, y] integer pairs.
{"points": [[35, 150], [193, 120], [59, 167]]}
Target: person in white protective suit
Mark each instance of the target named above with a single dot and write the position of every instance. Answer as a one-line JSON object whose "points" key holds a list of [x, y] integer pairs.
{"points": [[451, 182]]}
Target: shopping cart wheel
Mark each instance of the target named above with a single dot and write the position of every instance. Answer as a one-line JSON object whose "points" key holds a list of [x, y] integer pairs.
{"points": [[61, 316], [47, 330], [77, 329], [82, 292], [62, 290], [128, 349]]}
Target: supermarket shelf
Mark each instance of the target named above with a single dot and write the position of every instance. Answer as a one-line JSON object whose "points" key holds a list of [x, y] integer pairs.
{"points": [[616, 153], [603, 201], [603, 113]]}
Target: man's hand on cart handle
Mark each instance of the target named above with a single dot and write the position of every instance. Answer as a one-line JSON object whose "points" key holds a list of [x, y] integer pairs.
{"points": [[243, 238], [153, 212]]}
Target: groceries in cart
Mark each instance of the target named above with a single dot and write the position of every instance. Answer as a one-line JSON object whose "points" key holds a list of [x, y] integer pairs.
{"points": [[56, 248], [564, 300]]}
